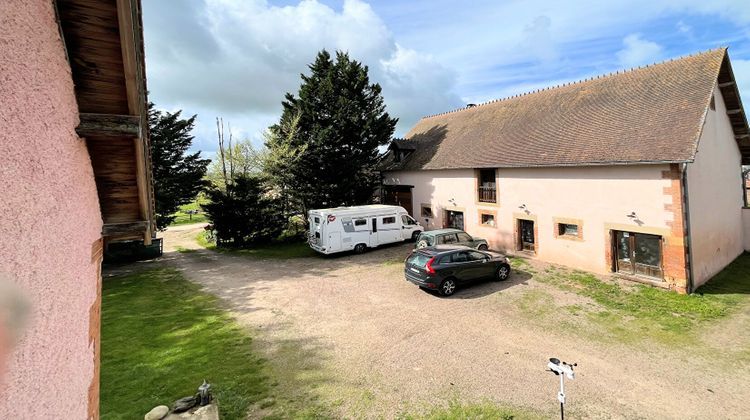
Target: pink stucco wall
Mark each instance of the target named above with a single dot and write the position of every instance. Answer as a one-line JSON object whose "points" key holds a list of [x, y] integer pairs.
{"points": [[599, 197], [49, 219], [715, 195]]}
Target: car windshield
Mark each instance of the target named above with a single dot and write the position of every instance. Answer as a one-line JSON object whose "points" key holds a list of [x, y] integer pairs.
{"points": [[418, 259]]}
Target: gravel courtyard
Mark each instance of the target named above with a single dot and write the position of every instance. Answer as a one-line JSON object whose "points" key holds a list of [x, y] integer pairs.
{"points": [[350, 333]]}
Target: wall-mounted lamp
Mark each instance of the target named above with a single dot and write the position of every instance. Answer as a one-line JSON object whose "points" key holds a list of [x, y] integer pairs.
{"points": [[632, 215], [522, 206], [452, 201]]}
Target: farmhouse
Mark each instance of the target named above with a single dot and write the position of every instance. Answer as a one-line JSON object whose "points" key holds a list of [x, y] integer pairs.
{"points": [[637, 173], [75, 169]]}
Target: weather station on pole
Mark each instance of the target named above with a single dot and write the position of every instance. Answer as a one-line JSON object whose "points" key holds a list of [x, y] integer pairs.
{"points": [[562, 370]]}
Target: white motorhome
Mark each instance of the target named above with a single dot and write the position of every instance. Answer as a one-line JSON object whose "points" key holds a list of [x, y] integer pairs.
{"points": [[357, 228]]}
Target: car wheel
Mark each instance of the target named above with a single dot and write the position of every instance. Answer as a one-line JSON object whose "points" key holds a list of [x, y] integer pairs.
{"points": [[482, 247], [415, 235], [447, 287], [502, 273], [422, 244], [359, 248]]}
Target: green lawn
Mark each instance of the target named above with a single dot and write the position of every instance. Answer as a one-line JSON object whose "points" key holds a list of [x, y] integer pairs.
{"points": [[183, 218], [275, 250], [161, 336], [632, 312], [478, 411]]}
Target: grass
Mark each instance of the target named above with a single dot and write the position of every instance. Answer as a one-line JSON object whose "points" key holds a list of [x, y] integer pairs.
{"points": [[634, 311], [477, 411], [274, 250], [161, 336], [183, 218]]}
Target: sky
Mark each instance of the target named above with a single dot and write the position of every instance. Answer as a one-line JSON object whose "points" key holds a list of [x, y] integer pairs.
{"points": [[237, 59]]}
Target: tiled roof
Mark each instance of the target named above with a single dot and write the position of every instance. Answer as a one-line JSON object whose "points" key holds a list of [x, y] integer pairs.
{"points": [[644, 115]]}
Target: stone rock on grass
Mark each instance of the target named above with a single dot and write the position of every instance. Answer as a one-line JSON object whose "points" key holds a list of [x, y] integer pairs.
{"points": [[185, 404], [208, 412], [157, 413]]}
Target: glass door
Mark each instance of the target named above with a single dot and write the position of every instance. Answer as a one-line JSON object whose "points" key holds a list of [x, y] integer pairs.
{"points": [[454, 219], [624, 260], [526, 227], [638, 253], [647, 255]]}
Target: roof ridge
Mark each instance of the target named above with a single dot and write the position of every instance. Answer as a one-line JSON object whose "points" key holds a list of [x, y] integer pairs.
{"points": [[588, 79]]}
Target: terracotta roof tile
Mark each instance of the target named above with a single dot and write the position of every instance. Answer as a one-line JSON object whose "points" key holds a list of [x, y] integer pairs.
{"points": [[648, 114]]}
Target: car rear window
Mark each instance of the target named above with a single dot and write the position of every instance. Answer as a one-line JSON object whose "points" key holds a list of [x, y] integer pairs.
{"points": [[418, 259], [426, 238]]}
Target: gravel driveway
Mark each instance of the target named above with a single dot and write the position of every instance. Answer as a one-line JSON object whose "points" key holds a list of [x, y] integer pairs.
{"points": [[349, 332]]}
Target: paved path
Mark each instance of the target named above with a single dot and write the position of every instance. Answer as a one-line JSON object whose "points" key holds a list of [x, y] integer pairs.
{"points": [[350, 332]]}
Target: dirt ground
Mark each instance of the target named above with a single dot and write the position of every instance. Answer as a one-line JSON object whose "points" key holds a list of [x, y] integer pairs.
{"points": [[351, 334]]}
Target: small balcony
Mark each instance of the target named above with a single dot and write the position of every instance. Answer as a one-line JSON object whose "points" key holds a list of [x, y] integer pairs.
{"points": [[487, 194]]}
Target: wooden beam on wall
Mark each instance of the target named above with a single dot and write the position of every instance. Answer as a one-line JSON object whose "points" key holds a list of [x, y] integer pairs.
{"points": [[130, 43], [109, 125], [128, 46], [112, 229]]}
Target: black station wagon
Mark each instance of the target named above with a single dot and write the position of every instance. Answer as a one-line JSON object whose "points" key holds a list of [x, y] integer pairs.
{"points": [[444, 268]]}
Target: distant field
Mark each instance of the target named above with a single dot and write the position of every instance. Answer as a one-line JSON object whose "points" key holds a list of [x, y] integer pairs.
{"points": [[184, 218]]}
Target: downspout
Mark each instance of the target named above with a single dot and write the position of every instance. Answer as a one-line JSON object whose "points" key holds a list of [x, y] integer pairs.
{"points": [[686, 227]]}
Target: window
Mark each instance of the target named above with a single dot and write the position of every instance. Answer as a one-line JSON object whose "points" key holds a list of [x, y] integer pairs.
{"points": [[476, 256], [486, 193], [464, 237], [426, 211], [317, 219], [360, 222], [389, 220], [460, 257], [446, 239], [408, 221], [488, 219], [567, 229], [426, 238]]}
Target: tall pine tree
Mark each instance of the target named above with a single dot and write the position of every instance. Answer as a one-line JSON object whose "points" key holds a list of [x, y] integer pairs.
{"points": [[178, 177], [323, 150]]}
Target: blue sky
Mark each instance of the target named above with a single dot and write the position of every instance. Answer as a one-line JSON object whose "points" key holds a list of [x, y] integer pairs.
{"points": [[236, 59]]}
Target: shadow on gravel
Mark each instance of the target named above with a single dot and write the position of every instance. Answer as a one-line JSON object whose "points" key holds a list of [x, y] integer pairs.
{"points": [[485, 288]]}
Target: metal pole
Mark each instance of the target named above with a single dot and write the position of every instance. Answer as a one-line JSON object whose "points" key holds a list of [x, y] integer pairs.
{"points": [[562, 396]]}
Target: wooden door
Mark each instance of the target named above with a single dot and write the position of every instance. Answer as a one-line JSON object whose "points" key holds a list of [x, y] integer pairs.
{"points": [[399, 196], [638, 253]]}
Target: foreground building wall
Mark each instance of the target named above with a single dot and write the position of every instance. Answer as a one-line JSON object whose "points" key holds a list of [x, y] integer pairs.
{"points": [[50, 222], [715, 196], [597, 199]]}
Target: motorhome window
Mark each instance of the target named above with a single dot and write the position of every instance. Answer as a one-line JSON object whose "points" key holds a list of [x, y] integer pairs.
{"points": [[407, 220], [317, 220], [389, 220], [360, 222]]}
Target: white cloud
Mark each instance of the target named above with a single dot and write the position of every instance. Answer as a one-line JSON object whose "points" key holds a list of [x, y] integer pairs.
{"points": [[638, 51], [238, 59], [538, 41]]}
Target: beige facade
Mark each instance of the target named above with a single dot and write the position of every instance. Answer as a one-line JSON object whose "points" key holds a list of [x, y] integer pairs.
{"points": [[714, 185], [600, 197], [595, 202]]}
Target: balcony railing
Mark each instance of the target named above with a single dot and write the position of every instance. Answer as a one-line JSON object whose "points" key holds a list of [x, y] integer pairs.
{"points": [[487, 194]]}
